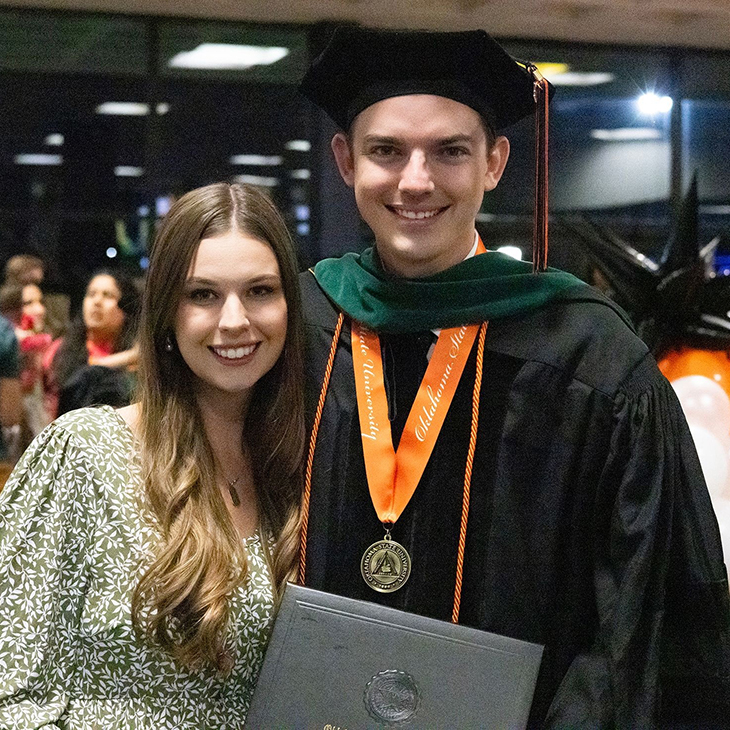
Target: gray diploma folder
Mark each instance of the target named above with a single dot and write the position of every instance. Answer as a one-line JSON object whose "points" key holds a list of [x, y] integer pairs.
{"points": [[335, 663]]}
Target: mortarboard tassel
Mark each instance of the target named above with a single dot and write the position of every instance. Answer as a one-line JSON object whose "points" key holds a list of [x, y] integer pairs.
{"points": [[540, 225]]}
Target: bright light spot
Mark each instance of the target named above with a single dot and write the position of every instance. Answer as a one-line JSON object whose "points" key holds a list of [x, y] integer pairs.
{"points": [[300, 174], [513, 251], [652, 104], [124, 108], [626, 134], [143, 211], [717, 377], [228, 56], [128, 171], [54, 140], [144, 262], [298, 145], [111, 252], [162, 108], [33, 159], [263, 160], [301, 212], [162, 205], [260, 180], [303, 229]]}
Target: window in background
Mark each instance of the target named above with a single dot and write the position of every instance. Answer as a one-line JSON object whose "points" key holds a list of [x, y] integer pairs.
{"points": [[99, 132]]}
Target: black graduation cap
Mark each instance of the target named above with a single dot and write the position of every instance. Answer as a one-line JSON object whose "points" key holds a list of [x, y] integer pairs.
{"points": [[361, 66]]}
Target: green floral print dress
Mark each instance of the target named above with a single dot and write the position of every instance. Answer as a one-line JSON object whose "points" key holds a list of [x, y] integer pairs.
{"points": [[72, 540]]}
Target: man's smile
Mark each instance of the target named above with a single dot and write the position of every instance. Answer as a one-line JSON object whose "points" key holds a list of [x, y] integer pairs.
{"points": [[415, 215]]}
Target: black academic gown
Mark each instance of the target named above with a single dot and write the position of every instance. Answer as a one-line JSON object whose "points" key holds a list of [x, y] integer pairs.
{"points": [[590, 526]]}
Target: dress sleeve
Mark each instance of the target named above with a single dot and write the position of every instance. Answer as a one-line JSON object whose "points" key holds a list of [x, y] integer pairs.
{"points": [[46, 521], [661, 656]]}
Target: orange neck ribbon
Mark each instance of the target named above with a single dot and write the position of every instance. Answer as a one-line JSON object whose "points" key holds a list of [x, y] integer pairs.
{"points": [[393, 476]]}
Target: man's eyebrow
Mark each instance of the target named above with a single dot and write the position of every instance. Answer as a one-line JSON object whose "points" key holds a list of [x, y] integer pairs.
{"points": [[381, 139], [455, 139], [445, 141]]}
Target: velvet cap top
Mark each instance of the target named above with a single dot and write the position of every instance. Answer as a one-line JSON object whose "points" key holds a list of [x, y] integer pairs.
{"points": [[361, 66]]}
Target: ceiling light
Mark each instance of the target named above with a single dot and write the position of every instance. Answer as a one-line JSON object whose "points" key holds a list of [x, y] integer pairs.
{"points": [[651, 104], [549, 69], [261, 181], [263, 160], [300, 174], [124, 108], [626, 134], [559, 74], [38, 159], [54, 140], [222, 56], [298, 145], [162, 108], [581, 78], [111, 252], [128, 171]]}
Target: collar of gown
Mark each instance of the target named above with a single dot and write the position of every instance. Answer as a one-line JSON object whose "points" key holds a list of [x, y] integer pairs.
{"points": [[487, 287]]}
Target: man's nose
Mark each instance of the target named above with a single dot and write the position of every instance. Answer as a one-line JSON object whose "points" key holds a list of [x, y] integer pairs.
{"points": [[415, 175]]}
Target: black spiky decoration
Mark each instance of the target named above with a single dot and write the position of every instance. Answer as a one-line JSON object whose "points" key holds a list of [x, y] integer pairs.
{"points": [[674, 301]]}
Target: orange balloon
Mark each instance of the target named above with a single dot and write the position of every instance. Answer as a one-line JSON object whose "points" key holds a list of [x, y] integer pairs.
{"points": [[712, 364]]}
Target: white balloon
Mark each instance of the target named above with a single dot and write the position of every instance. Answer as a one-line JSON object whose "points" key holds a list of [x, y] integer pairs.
{"points": [[713, 454], [705, 404]]}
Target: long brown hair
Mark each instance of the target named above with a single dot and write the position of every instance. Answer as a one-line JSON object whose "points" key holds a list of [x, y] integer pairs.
{"points": [[182, 600]]}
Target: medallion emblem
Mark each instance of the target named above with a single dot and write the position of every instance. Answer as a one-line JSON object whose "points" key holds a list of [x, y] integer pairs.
{"points": [[385, 566]]}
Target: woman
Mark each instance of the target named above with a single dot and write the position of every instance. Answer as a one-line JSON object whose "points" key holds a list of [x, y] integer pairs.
{"points": [[103, 335], [142, 550], [23, 305], [34, 341]]}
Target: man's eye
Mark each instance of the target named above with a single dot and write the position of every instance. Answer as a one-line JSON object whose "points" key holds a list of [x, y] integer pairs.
{"points": [[383, 150], [455, 152]]}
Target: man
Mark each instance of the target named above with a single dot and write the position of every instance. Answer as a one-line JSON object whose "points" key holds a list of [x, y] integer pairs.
{"points": [[530, 473]]}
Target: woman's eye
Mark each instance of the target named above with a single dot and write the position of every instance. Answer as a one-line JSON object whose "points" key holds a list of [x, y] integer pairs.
{"points": [[201, 295], [263, 290]]}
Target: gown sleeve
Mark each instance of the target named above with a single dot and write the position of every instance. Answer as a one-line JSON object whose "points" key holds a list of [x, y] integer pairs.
{"points": [[661, 657], [46, 520]]}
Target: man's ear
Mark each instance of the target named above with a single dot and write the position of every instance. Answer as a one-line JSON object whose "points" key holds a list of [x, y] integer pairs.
{"points": [[343, 157], [496, 162]]}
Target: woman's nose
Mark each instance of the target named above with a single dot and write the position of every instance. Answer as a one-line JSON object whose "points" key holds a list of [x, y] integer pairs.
{"points": [[233, 314]]}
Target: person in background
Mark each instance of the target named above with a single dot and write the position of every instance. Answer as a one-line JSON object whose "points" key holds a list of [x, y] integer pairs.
{"points": [[23, 306], [142, 549], [11, 400], [94, 362], [29, 269], [496, 446]]}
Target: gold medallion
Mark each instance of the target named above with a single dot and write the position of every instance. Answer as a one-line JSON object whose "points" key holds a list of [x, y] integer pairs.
{"points": [[386, 565]]}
